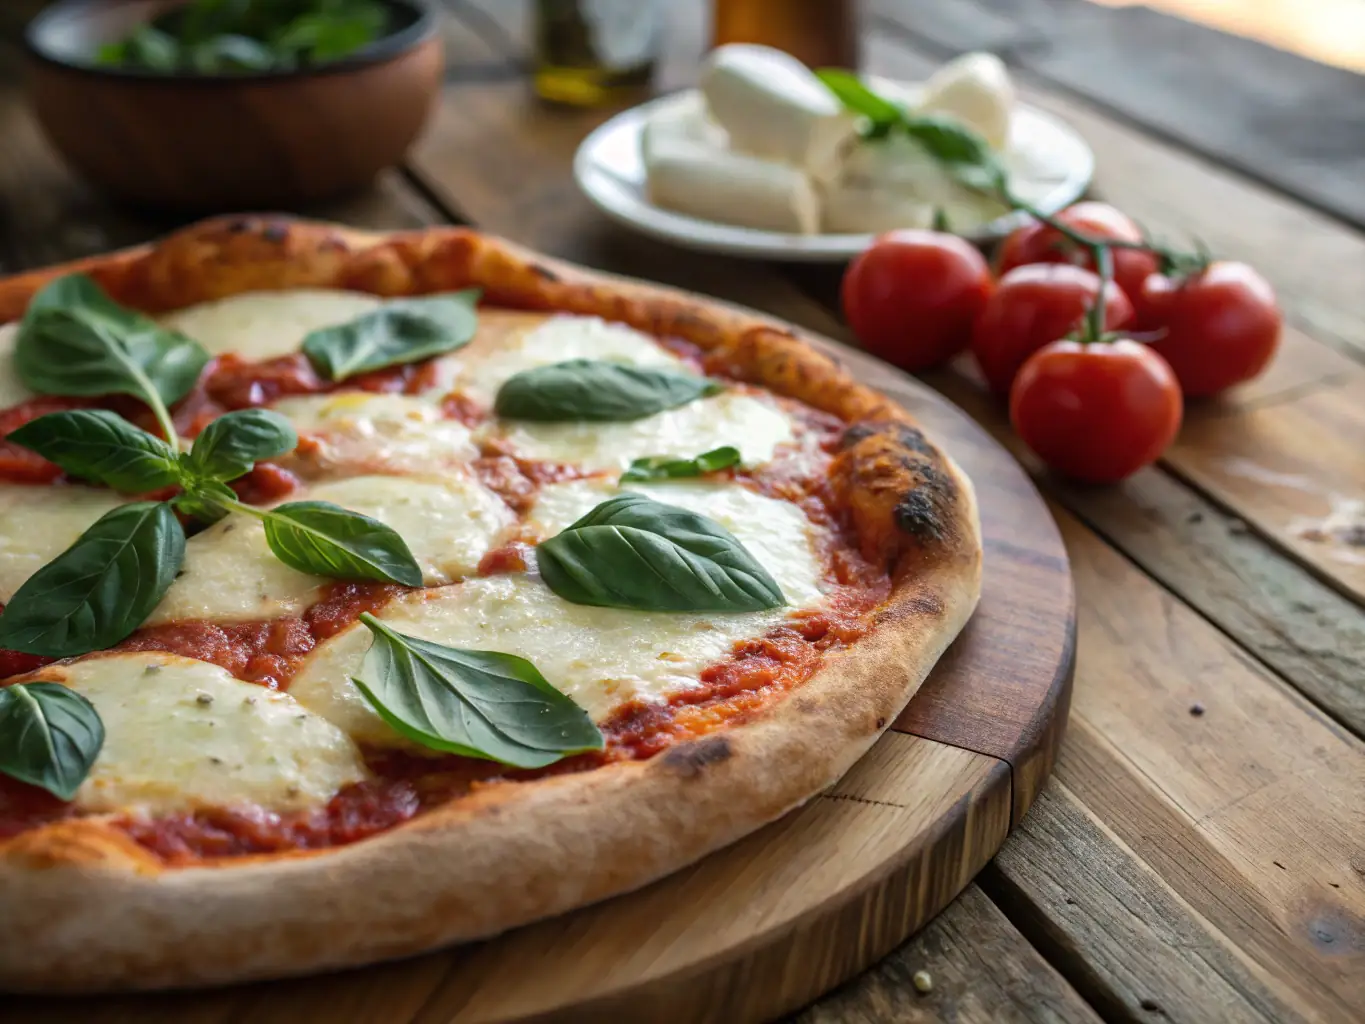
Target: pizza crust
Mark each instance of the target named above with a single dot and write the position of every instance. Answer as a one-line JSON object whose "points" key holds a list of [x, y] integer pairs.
{"points": [[98, 912]]}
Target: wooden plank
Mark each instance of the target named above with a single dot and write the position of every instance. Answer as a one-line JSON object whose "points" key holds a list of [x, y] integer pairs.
{"points": [[1251, 810], [1297, 472], [981, 969], [1281, 613], [1080, 894], [1276, 117]]}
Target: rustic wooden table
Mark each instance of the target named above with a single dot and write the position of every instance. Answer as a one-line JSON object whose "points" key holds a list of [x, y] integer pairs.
{"points": [[1199, 854]]}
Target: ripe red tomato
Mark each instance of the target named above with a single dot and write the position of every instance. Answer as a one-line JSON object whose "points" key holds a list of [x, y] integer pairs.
{"points": [[1097, 412], [912, 297], [1037, 243], [1034, 305], [1221, 325]]}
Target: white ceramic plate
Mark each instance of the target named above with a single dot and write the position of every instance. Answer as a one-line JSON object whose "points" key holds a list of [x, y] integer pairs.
{"points": [[1050, 165]]}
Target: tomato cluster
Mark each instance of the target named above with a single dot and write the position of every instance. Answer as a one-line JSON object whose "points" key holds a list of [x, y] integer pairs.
{"points": [[1099, 396]]}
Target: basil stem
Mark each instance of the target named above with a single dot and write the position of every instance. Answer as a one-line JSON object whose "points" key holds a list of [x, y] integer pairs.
{"points": [[49, 736], [637, 553], [483, 704]]}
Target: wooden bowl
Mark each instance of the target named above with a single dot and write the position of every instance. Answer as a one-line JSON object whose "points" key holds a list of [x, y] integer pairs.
{"points": [[197, 143]]}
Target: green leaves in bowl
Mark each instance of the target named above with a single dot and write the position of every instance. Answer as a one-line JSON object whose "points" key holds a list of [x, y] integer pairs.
{"points": [[594, 391], [475, 703], [402, 331], [49, 736], [223, 37], [636, 553]]}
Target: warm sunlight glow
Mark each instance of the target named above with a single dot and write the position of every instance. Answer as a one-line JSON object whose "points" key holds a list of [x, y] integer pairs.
{"points": [[1331, 31]]}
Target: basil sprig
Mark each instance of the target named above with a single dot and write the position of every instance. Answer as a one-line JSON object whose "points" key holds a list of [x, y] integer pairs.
{"points": [[49, 736], [963, 152], [594, 391], [637, 553], [480, 704], [100, 589], [403, 331], [665, 467], [105, 585], [75, 340]]}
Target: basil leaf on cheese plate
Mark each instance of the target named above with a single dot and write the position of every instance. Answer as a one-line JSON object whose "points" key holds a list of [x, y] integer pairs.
{"points": [[476, 703], [590, 390], [327, 540], [74, 340], [233, 443], [101, 588], [49, 736], [637, 553], [664, 467], [402, 331], [98, 445]]}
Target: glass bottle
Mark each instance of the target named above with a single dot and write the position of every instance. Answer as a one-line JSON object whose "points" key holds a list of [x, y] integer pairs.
{"points": [[594, 52], [819, 33]]}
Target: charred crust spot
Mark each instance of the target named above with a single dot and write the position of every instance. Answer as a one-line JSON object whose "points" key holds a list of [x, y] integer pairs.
{"points": [[691, 759], [237, 226], [902, 435], [543, 272], [275, 232], [924, 510], [856, 434]]}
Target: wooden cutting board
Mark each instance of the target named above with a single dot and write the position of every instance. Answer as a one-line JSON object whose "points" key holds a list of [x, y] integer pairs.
{"points": [[783, 916]]}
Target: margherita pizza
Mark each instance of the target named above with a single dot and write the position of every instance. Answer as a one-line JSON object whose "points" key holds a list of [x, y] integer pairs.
{"points": [[366, 594]]}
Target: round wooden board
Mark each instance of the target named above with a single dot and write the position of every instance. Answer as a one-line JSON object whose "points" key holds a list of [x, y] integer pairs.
{"points": [[788, 913]]}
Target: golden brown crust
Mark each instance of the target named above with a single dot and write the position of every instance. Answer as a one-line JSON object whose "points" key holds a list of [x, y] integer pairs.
{"points": [[98, 912]]}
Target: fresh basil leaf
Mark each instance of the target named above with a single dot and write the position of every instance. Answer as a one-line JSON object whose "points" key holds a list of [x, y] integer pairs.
{"points": [[327, 540], [964, 153], [98, 445], [49, 736], [854, 94], [205, 499], [634, 552], [230, 445], [403, 331], [75, 341], [664, 467], [475, 703], [593, 391], [229, 53], [101, 588]]}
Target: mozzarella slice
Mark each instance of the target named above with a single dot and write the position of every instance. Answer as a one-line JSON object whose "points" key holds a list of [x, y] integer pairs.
{"points": [[732, 188], [12, 390], [776, 532], [679, 123], [774, 108], [266, 325], [38, 523], [753, 425], [555, 340], [976, 89], [397, 432], [231, 575], [600, 657], [182, 734]]}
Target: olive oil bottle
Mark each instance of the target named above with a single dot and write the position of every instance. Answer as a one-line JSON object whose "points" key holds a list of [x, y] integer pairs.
{"points": [[595, 52]]}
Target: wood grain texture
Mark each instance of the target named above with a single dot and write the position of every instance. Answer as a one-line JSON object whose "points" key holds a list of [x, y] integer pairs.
{"points": [[981, 971]]}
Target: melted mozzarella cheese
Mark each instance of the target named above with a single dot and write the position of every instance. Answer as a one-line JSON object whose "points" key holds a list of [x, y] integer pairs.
{"points": [[12, 390], [230, 573], [182, 734], [38, 523], [266, 325], [553, 341], [601, 657], [400, 432], [753, 425], [775, 532]]}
